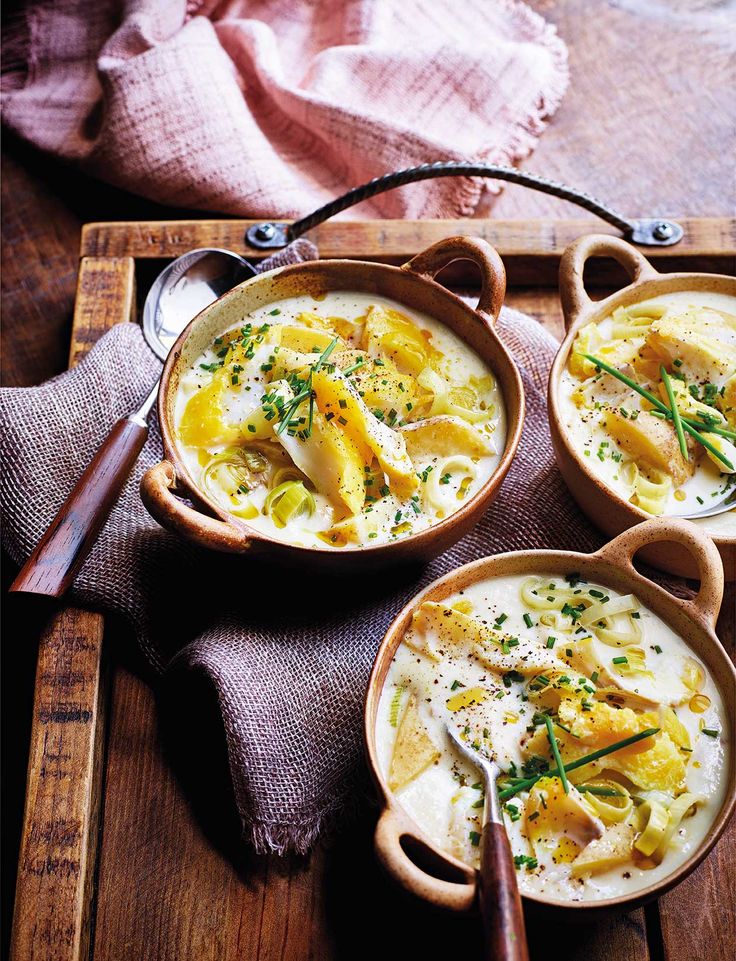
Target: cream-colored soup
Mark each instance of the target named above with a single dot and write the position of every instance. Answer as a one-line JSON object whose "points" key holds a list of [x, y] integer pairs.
{"points": [[338, 422], [498, 657], [635, 451]]}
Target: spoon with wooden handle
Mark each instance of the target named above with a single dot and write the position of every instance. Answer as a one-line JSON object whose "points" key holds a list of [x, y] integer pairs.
{"points": [[187, 285], [498, 892]]}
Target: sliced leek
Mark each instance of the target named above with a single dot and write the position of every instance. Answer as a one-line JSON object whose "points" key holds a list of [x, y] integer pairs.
{"points": [[613, 807], [653, 819], [232, 475], [677, 811], [288, 500]]}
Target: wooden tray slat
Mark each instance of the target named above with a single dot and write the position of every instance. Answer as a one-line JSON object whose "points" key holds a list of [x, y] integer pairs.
{"points": [[164, 890], [53, 900], [531, 248]]}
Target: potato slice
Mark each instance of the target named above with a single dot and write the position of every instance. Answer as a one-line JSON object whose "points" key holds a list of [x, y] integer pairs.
{"points": [[327, 457], [666, 719], [414, 749], [383, 387], [651, 440], [307, 318], [551, 815], [452, 627], [441, 436], [392, 334], [661, 768], [305, 340], [703, 340], [727, 401], [613, 847], [599, 725], [202, 423], [338, 400]]}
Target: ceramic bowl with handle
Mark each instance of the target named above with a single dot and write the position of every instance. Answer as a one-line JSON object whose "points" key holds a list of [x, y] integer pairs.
{"points": [[443, 880], [413, 285], [606, 508]]}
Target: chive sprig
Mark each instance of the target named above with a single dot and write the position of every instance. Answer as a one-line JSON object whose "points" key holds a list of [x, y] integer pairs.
{"points": [[677, 420], [558, 771], [692, 427]]}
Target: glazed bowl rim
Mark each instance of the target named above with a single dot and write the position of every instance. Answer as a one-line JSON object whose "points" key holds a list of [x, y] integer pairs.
{"points": [[595, 312], [514, 416]]}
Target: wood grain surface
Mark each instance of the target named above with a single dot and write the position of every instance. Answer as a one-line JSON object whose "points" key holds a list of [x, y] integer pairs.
{"points": [[646, 125], [58, 847], [531, 249], [56, 865]]}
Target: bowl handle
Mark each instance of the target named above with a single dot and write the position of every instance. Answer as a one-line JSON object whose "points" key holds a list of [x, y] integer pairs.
{"points": [[493, 274], [575, 300], [181, 519], [455, 896], [706, 604]]}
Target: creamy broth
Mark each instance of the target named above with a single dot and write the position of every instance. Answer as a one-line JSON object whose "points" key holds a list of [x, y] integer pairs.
{"points": [[636, 455], [473, 660], [399, 425]]}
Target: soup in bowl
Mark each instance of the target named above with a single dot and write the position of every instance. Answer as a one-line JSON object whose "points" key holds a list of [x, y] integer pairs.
{"points": [[339, 407], [607, 703], [642, 399]]}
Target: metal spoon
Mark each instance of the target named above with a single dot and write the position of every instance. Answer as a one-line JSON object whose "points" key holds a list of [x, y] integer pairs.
{"points": [[721, 507], [498, 892], [184, 288]]}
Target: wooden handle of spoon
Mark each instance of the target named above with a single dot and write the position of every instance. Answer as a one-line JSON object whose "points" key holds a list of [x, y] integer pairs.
{"points": [[498, 894], [62, 550]]}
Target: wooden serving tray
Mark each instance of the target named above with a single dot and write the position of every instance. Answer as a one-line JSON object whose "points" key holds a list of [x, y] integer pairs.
{"points": [[113, 862]]}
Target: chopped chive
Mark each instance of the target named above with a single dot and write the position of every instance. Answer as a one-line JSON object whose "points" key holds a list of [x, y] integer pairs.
{"points": [[710, 732], [620, 660], [599, 791], [675, 411], [556, 753], [528, 620]]}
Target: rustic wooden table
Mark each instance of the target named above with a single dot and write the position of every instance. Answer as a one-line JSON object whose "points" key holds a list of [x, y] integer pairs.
{"points": [[644, 126]]}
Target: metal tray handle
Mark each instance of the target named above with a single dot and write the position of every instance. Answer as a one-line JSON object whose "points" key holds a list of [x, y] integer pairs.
{"points": [[652, 232]]}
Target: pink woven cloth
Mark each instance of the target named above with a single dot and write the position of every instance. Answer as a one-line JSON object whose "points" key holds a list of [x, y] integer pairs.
{"points": [[274, 107]]}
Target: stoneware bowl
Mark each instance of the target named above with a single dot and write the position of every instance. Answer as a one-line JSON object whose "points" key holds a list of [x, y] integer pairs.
{"points": [[446, 882], [607, 509], [412, 284]]}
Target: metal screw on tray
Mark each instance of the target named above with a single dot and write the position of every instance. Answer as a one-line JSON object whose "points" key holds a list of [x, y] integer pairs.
{"points": [[184, 288], [265, 231], [663, 230]]}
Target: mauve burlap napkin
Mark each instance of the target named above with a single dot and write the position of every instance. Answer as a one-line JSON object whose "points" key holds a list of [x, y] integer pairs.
{"points": [[287, 653]]}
